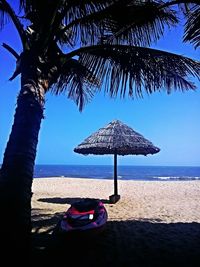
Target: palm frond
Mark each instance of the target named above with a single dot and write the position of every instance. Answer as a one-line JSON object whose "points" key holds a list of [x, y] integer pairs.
{"points": [[26, 4], [41, 13], [139, 22], [68, 32], [43, 17], [7, 12], [77, 9], [192, 26], [131, 70], [191, 11], [125, 21], [77, 81], [37, 5], [4, 15]]}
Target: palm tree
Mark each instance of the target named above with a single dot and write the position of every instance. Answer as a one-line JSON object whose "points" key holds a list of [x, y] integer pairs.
{"points": [[73, 47]]}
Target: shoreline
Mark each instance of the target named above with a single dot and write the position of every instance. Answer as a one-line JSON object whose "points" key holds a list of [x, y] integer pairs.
{"points": [[164, 179]]}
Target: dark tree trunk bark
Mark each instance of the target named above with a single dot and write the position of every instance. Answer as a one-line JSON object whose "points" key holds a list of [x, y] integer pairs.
{"points": [[16, 173]]}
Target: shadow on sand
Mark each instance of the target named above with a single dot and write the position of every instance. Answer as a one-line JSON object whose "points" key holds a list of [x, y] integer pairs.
{"points": [[139, 243], [66, 200]]}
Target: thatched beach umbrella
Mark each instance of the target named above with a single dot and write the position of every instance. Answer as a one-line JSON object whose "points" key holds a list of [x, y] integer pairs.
{"points": [[118, 139]]}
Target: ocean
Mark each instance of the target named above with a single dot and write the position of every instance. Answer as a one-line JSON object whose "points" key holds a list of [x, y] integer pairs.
{"points": [[143, 173]]}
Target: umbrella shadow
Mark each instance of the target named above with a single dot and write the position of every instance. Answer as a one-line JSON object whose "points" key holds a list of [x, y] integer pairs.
{"points": [[67, 200]]}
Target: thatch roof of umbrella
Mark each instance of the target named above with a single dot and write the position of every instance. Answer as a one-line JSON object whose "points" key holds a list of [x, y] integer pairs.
{"points": [[116, 137], [119, 139]]}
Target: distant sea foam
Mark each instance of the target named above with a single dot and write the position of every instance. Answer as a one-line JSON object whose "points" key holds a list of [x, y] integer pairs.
{"points": [[145, 173]]}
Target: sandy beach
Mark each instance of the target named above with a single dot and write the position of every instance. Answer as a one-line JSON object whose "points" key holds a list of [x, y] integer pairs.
{"points": [[153, 224]]}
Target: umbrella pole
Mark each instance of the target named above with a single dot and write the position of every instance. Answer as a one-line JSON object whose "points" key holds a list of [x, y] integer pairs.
{"points": [[115, 174], [114, 198]]}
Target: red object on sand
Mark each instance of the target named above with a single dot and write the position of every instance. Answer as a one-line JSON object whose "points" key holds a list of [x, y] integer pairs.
{"points": [[84, 216]]}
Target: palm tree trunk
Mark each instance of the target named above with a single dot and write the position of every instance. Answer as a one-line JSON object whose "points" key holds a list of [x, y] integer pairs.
{"points": [[16, 173]]}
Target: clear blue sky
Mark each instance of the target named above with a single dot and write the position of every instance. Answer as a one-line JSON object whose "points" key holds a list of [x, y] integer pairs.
{"points": [[171, 122]]}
